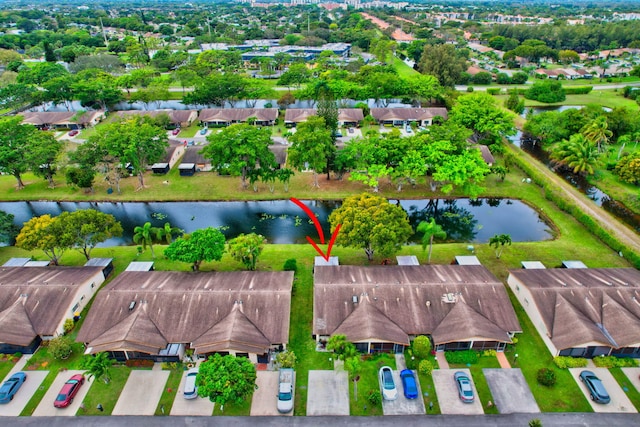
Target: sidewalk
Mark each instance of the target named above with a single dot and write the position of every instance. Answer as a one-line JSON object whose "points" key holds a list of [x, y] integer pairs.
{"points": [[442, 361], [502, 359]]}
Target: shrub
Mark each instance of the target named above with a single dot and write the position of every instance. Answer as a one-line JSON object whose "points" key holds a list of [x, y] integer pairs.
{"points": [[286, 359], [461, 357], [494, 90], [578, 90], [469, 88], [614, 362], [290, 265], [60, 347], [535, 422], [68, 326], [546, 377], [425, 367], [546, 91], [374, 397], [421, 347], [564, 362], [139, 363], [489, 353]]}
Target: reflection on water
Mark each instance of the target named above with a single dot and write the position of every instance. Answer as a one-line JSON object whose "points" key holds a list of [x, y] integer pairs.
{"points": [[281, 221]]}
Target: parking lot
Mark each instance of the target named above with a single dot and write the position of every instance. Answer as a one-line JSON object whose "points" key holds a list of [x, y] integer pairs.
{"points": [[46, 408], [619, 400], [402, 405], [447, 392], [510, 391], [22, 397]]}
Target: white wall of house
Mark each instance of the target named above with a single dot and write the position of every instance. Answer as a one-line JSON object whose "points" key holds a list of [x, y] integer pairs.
{"points": [[83, 295]]}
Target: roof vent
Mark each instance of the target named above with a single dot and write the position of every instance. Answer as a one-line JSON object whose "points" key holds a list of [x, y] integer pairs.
{"points": [[428, 303], [24, 295], [354, 299], [449, 298], [132, 305]]}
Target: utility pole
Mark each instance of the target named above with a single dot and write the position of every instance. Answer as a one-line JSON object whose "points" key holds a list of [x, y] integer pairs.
{"points": [[104, 35]]}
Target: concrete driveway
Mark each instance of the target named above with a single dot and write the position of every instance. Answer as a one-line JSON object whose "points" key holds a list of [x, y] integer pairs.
{"points": [[197, 406], [328, 393], [402, 405], [510, 391], [141, 393], [447, 392], [46, 408], [22, 397], [265, 398], [634, 376], [619, 400]]}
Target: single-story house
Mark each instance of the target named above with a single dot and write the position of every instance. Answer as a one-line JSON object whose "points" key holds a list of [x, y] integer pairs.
{"points": [[62, 119], [174, 152], [36, 301], [229, 116], [346, 116], [582, 312], [177, 118], [193, 155], [159, 314], [403, 116], [383, 308]]}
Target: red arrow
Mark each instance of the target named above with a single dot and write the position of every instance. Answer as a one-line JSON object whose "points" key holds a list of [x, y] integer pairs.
{"points": [[314, 218]]}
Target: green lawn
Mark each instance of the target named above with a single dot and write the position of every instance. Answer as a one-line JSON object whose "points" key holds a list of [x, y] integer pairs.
{"points": [[611, 98], [403, 69], [233, 409], [5, 367], [105, 394], [484, 394], [369, 382], [170, 390], [429, 394]]}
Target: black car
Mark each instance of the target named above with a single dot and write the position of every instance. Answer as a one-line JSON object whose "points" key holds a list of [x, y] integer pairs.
{"points": [[596, 388]]}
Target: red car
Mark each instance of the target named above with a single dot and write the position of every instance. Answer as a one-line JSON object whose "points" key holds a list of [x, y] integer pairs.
{"points": [[176, 131], [74, 132], [69, 391]]}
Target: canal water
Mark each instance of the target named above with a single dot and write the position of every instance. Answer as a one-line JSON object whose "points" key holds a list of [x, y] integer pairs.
{"points": [[281, 221]]}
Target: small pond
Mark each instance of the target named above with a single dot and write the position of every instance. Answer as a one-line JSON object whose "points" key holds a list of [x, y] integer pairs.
{"points": [[281, 221]]}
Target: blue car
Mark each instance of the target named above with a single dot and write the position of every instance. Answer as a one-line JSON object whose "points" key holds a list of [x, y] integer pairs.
{"points": [[11, 386], [409, 384], [596, 389]]}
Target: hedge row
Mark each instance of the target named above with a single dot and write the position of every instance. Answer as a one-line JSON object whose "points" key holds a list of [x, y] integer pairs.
{"points": [[555, 194], [614, 362], [577, 90], [564, 362]]}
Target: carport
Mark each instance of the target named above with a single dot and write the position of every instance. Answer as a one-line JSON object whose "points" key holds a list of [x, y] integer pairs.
{"points": [[447, 392], [328, 393], [619, 400], [510, 391]]}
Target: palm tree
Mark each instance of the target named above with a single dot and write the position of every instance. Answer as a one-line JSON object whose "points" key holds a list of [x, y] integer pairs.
{"points": [[579, 154], [168, 232], [499, 241], [145, 235], [98, 366], [431, 231], [597, 131]]}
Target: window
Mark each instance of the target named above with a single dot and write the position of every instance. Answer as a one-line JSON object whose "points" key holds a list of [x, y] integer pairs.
{"points": [[75, 307], [93, 285]]}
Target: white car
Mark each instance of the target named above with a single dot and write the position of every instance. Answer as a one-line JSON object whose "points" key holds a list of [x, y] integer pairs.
{"points": [[190, 388], [387, 384]]}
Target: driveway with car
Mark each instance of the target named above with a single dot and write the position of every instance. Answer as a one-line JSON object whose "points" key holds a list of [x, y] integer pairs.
{"points": [[447, 392], [196, 406], [22, 397], [46, 408], [510, 391], [619, 400], [265, 398], [402, 405], [328, 393], [141, 393]]}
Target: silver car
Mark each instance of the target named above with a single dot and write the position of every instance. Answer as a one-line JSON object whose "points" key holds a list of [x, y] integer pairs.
{"points": [[387, 384], [190, 388]]}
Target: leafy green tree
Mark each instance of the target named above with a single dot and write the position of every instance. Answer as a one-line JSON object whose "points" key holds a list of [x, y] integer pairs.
{"points": [[466, 170], [424, 88], [226, 379], [480, 113], [47, 234], [597, 131], [14, 142], [370, 222], [145, 235], [81, 177], [421, 347], [443, 62], [628, 169], [8, 230], [60, 347], [342, 348], [241, 149], [42, 154], [579, 154], [430, 231], [98, 366], [207, 244], [246, 248], [310, 146], [499, 241], [88, 228], [97, 90], [41, 72], [546, 91], [295, 76], [514, 103]]}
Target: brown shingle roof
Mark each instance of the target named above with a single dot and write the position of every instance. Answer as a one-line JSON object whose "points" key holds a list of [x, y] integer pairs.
{"points": [[409, 114], [175, 116], [39, 118], [184, 306], [297, 115], [581, 306], [411, 297], [237, 114]]}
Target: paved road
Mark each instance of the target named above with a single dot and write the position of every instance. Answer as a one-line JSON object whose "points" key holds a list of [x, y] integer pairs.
{"points": [[510, 420], [620, 231]]}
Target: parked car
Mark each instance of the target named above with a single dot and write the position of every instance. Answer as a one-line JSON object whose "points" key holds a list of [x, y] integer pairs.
{"points": [[11, 386], [409, 384], [596, 388], [69, 391], [175, 131], [203, 131], [190, 388], [74, 132], [465, 390], [337, 134], [387, 384], [285, 390]]}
